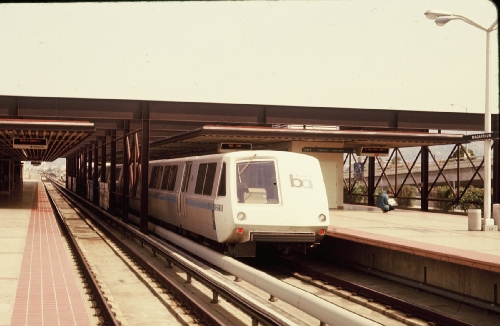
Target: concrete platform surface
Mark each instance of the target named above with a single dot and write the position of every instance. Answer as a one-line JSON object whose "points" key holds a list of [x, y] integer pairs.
{"points": [[434, 235], [38, 282]]}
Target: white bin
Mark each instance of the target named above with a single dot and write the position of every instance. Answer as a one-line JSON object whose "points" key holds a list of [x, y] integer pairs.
{"points": [[474, 219], [496, 214]]}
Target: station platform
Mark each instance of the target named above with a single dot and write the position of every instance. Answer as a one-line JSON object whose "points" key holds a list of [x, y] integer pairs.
{"points": [[429, 250], [39, 282], [439, 236]]}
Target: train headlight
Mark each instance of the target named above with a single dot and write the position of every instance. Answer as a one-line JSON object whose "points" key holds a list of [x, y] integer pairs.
{"points": [[241, 216], [322, 217]]}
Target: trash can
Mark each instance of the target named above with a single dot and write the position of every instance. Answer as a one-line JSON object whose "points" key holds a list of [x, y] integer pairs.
{"points": [[474, 219], [496, 215]]}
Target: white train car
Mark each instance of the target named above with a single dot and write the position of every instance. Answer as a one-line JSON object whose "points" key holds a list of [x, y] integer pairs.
{"points": [[242, 198]]}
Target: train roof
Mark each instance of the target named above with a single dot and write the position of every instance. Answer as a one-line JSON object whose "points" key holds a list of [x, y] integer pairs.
{"points": [[217, 156]]}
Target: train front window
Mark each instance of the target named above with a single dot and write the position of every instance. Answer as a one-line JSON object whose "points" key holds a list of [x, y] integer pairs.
{"points": [[256, 182]]}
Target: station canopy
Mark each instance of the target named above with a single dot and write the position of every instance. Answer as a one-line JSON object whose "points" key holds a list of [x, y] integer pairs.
{"points": [[41, 140], [44, 129], [207, 139]]}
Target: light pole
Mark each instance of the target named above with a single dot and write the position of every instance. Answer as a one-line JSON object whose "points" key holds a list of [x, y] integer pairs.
{"points": [[441, 18]]}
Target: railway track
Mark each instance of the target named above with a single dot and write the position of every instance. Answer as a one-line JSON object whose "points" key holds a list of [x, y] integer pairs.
{"points": [[408, 304], [190, 290]]}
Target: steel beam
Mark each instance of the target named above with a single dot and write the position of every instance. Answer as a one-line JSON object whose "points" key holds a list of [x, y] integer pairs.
{"points": [[112, 175], [126, 172], [95, 176], [371, 181], [144, 169], [424, 178]]}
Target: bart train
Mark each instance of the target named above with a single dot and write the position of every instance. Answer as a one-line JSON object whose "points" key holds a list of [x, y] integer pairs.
{"points": [[240, 199]]}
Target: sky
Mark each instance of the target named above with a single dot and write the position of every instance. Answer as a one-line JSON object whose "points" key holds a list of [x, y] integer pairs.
{"points": [[355, 54]]}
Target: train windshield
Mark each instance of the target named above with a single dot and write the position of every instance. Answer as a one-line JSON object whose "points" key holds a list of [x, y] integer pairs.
{"points": [[256, 182]]}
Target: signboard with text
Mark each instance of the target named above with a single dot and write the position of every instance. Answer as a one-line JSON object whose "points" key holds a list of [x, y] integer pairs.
{"points": [[488, 135], [29, 143], [326, 150], [231, 147], [373, 151]]}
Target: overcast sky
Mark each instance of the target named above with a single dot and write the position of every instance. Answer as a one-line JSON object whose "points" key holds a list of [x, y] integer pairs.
{"points": [[356, 54]]}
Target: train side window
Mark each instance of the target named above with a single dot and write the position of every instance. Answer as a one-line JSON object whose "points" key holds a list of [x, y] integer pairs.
{"points": [[158, 177], [152, 180], [173, 176], [166, 175], [209, 179], [205, 179], [200, 179], [222, 182], [187, 175]]}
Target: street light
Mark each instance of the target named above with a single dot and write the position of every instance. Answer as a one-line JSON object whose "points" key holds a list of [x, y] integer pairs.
{"points": [[441, 18]]}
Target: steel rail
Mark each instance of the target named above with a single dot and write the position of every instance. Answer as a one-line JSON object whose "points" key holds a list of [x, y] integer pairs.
{"points": [[413, 309]]}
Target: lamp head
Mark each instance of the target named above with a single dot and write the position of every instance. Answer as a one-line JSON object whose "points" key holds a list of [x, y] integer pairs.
{"points": [[434, 14], [440, 21]]}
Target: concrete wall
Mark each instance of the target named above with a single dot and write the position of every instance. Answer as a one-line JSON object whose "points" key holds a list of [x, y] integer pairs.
{"points": [[463, 280]]}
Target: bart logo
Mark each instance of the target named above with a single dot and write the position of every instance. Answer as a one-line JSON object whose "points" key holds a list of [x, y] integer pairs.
{"points": [[300, 183]]}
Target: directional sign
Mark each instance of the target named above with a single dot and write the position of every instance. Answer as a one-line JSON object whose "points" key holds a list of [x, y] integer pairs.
{"points": [[327, 150], [231, 147], [488, 135], [29, 143], [373, 151]]}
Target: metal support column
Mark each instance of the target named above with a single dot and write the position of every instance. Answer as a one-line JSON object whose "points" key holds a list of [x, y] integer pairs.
{"points": [[85, 170], [103, 172], [95, 186], [79, 174], [496, 164], [68, 171], [89, 165], [495, 183], [144, 167], [71, 179], [112, 175], [496, 172], [75, 174], [371, 181], [103, 160], [424, 179], [126, 172]]}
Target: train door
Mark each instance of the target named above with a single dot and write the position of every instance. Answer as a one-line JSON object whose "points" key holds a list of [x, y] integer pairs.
{"points": [[181, 196]]}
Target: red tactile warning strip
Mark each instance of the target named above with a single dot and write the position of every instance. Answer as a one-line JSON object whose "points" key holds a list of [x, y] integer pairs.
{"points": [[47, 292]]}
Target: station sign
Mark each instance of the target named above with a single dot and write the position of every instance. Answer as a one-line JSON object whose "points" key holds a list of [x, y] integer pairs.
{"points": [[29, 143], [326, 150], [373, 151], [488, 135], [231, 147], [36, 163]]}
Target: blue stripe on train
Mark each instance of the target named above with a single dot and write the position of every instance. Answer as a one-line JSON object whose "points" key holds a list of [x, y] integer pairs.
{"points": [[191, 202]]}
